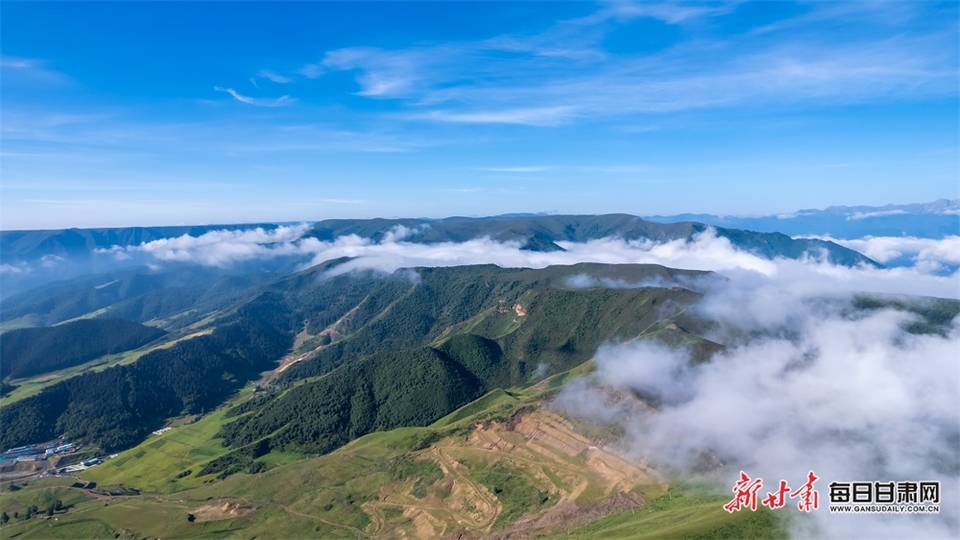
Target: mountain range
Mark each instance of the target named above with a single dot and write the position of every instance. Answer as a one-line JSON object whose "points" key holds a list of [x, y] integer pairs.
{"points": [[33, 258], [278, 398], [936, 219]]}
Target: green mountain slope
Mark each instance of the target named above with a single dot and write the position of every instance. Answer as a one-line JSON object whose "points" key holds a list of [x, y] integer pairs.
{"points": [[409, 310], [137, 294], [446, 338], [394, 464], [400, 315], [505, 465], [117, 407], [31, 351]]}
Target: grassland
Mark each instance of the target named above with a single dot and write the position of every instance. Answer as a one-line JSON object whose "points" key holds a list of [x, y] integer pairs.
{"points": [[689, 512], [156, 465], [504, 465]]}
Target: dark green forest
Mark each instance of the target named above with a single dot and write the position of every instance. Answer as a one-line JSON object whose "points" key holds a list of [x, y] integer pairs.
{"points": [[117, 407], [32, 351], [380, 392], [417, 350], [411, 347]]}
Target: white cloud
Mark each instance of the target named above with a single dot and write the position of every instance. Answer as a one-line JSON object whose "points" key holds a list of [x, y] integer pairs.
{"points": [[14, 269], [220, 248], [30, 71], [563, 74], [534, 116], [50, 260], [383, 73], [343, 201], [17, 63], [705, 251], [851, 398], [881, 213], [311, 71], [271, 76], [276, 102], [515, 169], [669, 12], [927, 252]]}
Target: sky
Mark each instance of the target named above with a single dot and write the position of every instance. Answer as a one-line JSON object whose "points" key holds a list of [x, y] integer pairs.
{"points": [[135, 113]]}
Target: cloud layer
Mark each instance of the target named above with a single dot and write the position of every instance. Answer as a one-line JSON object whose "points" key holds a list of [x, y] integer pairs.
{"points": [[704, 252], [804, 384], [930, 254]]}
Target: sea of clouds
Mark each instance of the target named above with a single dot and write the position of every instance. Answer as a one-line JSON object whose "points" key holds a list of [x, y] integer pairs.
{"points": [[805, 383], [706, 251]]}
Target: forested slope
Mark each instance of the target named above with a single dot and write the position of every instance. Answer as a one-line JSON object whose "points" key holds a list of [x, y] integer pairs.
{"points": [[117, 407], [408, 348], [418, 349], [31, 351]]}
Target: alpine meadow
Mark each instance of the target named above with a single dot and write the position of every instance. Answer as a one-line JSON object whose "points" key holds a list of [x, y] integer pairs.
{"points": [[480, 270]]}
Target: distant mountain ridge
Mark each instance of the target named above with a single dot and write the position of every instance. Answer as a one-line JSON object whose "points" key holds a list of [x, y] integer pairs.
{"points": [[32, 258], [536, 231], [542, 233], [35, 244], [936, 219]]}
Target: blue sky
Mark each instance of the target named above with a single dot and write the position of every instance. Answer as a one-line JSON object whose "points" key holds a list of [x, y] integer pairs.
{"points": [[134, 113]]}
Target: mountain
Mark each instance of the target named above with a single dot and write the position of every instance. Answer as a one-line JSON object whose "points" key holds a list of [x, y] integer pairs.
{"points": [[936, 219], [411, 404], [537, 232], [504, 466], [541, 233], [117, 407], [33, 245], [454, 335], [137, 294], [31, 351], [32, 259], [352, 320]]}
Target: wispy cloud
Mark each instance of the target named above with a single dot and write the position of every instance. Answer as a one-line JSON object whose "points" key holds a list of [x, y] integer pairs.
{"points": [[271, 76], [564, 74], [322, 138], [384, 73], [880, 213], [29, 71], [343, 201], [311, 71], [849, 165], [536, 116], [514, 169], [11, 269], [259, 102], [10, 62], [668, 12]]}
